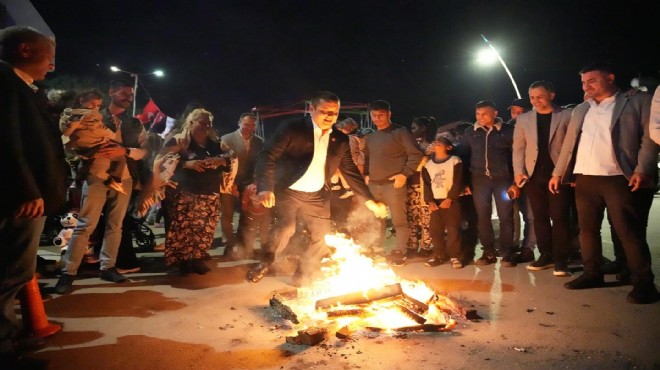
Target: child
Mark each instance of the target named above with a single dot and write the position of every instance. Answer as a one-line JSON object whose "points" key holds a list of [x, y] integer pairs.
{"points": [[443, 184], [87, 133]]}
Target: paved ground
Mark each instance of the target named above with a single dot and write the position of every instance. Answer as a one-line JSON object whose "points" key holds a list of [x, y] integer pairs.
{"points": [[164, 321]]}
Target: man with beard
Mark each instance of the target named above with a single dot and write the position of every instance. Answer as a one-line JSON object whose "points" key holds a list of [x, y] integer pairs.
{"points": [[96, 194]]}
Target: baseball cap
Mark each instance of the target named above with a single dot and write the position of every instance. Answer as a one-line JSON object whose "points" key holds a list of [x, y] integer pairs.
{"points": [[524, 103]]}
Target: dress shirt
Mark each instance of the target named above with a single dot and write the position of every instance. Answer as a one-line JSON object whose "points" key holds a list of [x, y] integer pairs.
{"points": [[595, 154], [314, 178]]}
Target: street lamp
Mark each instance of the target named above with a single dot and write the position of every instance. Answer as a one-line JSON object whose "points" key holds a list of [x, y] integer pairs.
{"points": [[157, 73], [490, 55]]}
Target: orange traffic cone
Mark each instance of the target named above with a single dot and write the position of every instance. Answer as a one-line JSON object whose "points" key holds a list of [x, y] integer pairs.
{"points": [[35, 321]]}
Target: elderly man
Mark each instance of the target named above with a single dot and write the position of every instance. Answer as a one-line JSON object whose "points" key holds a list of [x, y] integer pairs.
{"points": [[609, 156], [33, 182]]}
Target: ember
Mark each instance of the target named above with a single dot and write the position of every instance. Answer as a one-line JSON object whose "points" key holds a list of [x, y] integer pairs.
{"points": [[357, 293]]}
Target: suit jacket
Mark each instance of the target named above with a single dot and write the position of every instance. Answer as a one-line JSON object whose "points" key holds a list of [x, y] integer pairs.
{"points": [[247, 157], [288, 153], [633, 149], [30, 148], [525, 139]]}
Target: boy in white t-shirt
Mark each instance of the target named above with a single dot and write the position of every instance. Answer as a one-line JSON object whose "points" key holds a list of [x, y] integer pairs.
{"points": [[443, 184]]}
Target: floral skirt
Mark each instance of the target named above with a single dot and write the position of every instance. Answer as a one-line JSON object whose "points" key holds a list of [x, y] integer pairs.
{"points": [[192, 220]]}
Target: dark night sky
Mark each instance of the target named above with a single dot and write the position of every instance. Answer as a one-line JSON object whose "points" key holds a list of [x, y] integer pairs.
{"points": [[419, 55]]}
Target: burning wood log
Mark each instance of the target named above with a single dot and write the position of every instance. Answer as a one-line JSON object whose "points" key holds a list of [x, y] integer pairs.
{"points": [[309, 336], [415, 328], [371, 295], [346, 312], [411, 314], [415, 305], [277, 303], [449, 306]]}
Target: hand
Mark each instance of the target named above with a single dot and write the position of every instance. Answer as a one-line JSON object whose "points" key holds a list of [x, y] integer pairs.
{"points": [[197, 165], [553, 184], [518, 179], [445, 203], [379, 209], [639, 180], [267, 198], [215, 162], [433, 207], [31, 209], [366, 179], [111, 150], [513, 191], [399, 180], [468, 190]]}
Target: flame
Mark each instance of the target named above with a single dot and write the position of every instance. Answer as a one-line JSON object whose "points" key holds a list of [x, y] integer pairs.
{"points": [[347, 271]]}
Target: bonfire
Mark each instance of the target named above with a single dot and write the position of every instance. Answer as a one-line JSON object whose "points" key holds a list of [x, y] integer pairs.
{"points": [[356, 292]]}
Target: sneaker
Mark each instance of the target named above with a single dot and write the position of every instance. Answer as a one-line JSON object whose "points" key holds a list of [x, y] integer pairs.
{"points": [[585, 281], [64, 284], [486, 259], [112, 275], [561, 269], [398, 258], [256, 273], [130, 270], [525, 255], [643, 294], [508, 261], [544, 262], [435, 261], [456, 263]]}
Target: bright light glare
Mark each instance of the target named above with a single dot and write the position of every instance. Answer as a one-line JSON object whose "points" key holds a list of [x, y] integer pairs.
{"points": [[114, 69], [487, 56], [159, 73]]}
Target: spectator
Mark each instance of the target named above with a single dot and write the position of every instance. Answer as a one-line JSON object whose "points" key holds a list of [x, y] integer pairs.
{"points": [[489, 144], [97, 195], [391, 156], [33, 172], [537, 141], [193, 207], [608, 171]]}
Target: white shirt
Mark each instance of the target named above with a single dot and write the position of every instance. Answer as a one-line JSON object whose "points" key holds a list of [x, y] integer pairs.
{"points": [[314, 178], [595, 154]]}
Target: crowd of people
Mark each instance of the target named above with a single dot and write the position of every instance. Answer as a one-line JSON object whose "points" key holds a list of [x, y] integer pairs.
{"points": [[560, 167]]}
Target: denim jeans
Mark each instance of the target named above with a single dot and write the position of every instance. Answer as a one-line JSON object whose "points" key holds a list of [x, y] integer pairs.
{"points": [[96, 195], [19, 241], [484, 188]]}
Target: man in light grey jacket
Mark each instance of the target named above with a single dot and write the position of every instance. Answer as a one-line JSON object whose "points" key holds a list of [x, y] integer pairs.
{"points": [[609, 156], [537, 141]]}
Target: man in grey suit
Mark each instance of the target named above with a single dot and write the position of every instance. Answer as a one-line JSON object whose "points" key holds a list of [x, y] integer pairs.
{"points": [[537, 141], [609, 155], [246, 146]]}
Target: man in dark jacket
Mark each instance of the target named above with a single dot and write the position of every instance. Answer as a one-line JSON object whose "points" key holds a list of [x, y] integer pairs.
{"points": [[295, 167], [33, 182]]}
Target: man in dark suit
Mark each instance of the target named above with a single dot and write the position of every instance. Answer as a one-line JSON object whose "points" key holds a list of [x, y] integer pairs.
{"points": [[33, 181], [610, 157], [295, 168]]}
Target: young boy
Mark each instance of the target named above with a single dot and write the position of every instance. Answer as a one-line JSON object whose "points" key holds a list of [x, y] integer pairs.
{"points": [[443, 184]]}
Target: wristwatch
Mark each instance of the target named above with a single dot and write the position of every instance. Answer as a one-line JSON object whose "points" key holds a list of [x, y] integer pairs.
{"points": [[128, 152]]}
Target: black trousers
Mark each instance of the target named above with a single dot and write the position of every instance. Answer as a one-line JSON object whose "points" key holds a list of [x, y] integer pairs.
{"points": [[643, 202], [592, 195], [551, 217], [314, 209], [446, 219]]}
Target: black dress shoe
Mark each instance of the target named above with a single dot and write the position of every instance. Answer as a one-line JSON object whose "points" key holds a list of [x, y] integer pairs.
{"points": [[64, 284], [258, 272], [585, 281], [643, 294], [184, 267], [199, 267]]}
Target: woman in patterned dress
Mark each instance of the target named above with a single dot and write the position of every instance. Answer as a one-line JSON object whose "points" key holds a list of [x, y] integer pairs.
{"points": [[193, 206]]}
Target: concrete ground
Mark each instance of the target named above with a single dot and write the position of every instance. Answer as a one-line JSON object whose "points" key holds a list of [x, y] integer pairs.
{"points": [[160, 320]]}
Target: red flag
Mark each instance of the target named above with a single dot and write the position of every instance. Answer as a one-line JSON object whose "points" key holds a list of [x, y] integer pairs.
{"points": [[149, 112]]}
